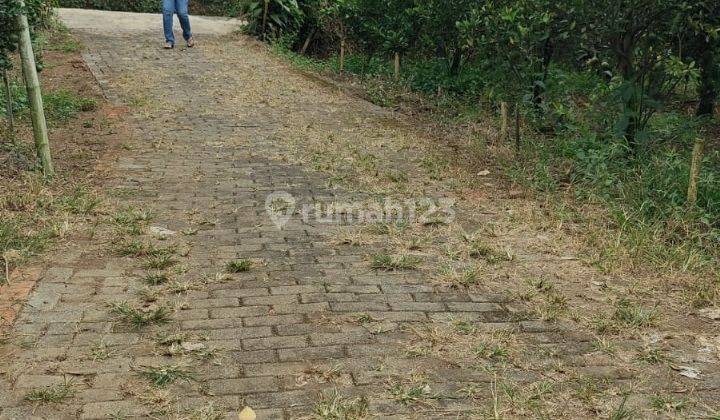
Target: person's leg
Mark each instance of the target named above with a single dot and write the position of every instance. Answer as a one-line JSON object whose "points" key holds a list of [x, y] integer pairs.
{"points": [[184, 17], [168, 12]]}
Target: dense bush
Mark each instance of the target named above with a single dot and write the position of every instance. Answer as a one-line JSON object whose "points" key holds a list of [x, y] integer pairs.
{"points": [[204, 7], [39, 13]]}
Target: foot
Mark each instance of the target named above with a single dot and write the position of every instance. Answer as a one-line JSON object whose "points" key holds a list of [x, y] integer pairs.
{"points": [[191, 42], [169, 46]]}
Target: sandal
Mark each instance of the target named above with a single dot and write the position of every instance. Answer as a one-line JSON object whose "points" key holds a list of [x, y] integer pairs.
{"points": [[190, 42], [169, 46]]}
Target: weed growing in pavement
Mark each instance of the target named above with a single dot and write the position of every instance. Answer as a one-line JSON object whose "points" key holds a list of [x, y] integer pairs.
{"points": [[667, 404], [139, 318], [622, 412], [494, 352], [51, 394], [238, 266], [155, 279], [395, 262], [631, 315], [163, 376], [159, 262], [101, 351], [411, 394], [333, 406]]}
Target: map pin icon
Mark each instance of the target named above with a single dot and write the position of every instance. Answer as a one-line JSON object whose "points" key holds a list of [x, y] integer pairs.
{"points": [[280, 206]]}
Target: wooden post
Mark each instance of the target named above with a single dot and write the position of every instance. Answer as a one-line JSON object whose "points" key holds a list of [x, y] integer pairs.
{"points": [[697, 157], [342, 55], [32, 83], [397, 66], [504, 134]]}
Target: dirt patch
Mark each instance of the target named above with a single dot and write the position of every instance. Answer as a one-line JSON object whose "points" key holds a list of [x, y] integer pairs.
{"points": [[37, 216]]}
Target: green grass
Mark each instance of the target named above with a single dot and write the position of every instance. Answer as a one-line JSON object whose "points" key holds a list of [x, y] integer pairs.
{"points": [[333, 406], [155, 279], [139, 318], [52, 394], [129, 248], [131, 221], [394, 262], [622, 412], [410, 394], [15, 236], [62, 41], [652, 356], [163, 376], [491, 352], [81, 202], [159, 262], [667, 404], [238, 266], [631, 315], [62, 105]]}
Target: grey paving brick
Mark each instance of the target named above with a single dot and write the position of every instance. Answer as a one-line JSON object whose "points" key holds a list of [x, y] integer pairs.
{"points": [[242, 386], [275, 342], [311, 353]]}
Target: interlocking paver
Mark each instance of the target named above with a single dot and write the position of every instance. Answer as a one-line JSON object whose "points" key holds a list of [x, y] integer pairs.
{"points": [[309, 316]]}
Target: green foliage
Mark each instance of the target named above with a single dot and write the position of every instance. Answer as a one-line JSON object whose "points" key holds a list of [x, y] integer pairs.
{"points": [[204, 7], [273, 17], [602, 88], [39, 13]]}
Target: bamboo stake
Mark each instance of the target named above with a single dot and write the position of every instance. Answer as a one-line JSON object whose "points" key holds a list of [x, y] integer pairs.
{"points": [[9, 103], [397, 66], [32, 83], [695, 166], [504, 132], [342, 55]]}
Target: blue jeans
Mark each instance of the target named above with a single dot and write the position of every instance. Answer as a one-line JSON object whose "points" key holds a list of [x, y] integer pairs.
{"points": [[170, 7]]}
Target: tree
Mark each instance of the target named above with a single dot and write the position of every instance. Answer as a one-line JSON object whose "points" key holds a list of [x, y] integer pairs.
{"points": [[441, 32], [637, 37], [700, 24]]}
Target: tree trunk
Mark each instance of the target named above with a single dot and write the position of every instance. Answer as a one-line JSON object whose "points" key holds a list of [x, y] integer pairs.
{"points": [[9, 104], [697, 157], [708, 89], [631, 131], [266, 9], [308, 40], [504, 133], [342, 55], [456, 62], [32, 83], [397, 66], [538, 90]]}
